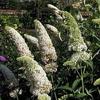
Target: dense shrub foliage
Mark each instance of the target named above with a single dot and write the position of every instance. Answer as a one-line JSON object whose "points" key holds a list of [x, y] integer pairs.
{"points": [[51, 52]]}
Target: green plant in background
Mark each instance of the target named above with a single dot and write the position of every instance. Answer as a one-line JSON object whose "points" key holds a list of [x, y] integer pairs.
{"points": [[10, 20], [98, 2]]}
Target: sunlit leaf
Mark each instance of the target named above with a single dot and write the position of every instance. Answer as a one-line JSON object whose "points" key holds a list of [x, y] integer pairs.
{"points": [[97, 82]]}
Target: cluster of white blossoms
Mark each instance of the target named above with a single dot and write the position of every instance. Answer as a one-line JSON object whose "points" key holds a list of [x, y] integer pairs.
{"points": [[33, 71], [75, 40], [36, 73]]}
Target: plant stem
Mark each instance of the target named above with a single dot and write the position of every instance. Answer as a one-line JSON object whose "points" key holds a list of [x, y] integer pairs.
{"points": [[82, 80]]}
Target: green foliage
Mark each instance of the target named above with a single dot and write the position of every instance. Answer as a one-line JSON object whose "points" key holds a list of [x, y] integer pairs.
{"points": [[96, 21], [10, 20], [98, 2], [76, 82]]}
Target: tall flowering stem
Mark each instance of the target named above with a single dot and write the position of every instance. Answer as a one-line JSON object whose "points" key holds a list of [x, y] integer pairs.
{"points": [[75, 40], [18, 41], [68, 23], [48, 52], [36, 75]]}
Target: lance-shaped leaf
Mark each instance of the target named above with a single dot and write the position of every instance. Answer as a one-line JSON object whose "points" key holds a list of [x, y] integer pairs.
{"points": [[54, 31], [76, 57], [48, 53], [43, 97], [32, 39], [69, 24], [18, 41], [36, 75], [96, 21]]}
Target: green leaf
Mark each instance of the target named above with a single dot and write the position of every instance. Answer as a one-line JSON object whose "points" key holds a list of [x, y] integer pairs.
{"points": [[80, 95], [88, 93], [76, 83], [97, 82], [86, 74], [65, 88]]}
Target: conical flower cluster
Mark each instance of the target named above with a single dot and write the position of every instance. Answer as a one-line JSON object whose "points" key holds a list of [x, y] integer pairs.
{"points": [[18, 41], [36, 75], [48, 52]]}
